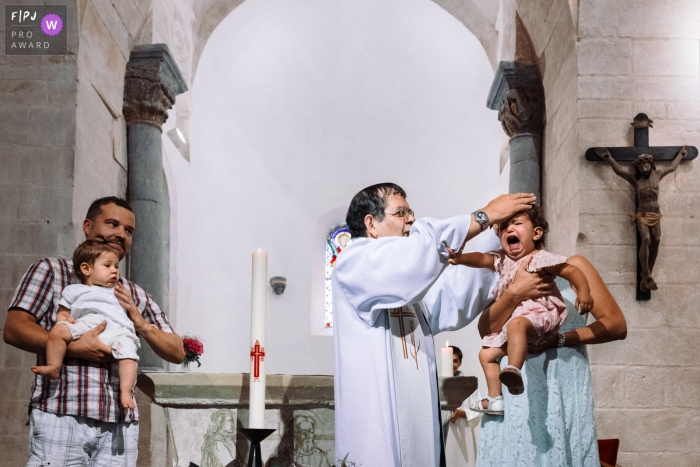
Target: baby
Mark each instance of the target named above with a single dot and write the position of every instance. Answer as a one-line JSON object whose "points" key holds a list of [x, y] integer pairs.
{"points": [[521, 237], [84, 306]]}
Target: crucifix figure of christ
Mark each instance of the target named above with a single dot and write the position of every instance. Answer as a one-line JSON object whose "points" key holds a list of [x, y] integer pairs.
{"points": [[402, 313], [257, 354], [645, 179]]}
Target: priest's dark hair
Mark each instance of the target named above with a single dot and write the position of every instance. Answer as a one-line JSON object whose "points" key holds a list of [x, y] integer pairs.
{"points": [[457, 351], [95, 208], [371, 200]]}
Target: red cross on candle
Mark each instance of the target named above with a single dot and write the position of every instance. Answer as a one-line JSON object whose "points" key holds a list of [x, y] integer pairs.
{"points": [[257, 354]]}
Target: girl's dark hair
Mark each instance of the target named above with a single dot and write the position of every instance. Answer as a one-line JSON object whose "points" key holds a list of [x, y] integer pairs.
{"points": [[371, 200], [536, 216], [88, 252]]}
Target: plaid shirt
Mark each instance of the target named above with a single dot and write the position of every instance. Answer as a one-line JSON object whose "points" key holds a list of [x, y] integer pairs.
{"points": [[84, 389]]}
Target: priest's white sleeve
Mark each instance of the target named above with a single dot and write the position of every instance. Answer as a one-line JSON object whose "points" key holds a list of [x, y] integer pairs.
{"points": [[390, 272], [461, 293]]}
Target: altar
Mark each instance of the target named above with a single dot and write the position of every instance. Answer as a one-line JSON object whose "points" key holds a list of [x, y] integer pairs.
{"points": [[203, 413]]}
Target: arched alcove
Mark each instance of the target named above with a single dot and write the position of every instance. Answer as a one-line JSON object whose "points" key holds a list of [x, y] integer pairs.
{"points": [[295, 107]]}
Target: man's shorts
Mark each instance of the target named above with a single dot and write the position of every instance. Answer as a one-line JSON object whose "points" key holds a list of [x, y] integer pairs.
{"points": [[68, 441], [122, 340]]}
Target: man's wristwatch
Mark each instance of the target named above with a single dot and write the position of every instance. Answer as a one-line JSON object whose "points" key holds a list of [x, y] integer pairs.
{"points": [[562, 340], [482, 218]]}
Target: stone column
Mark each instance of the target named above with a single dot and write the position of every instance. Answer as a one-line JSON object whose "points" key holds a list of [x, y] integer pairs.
{"points": [[152, 82], [518, 95]]}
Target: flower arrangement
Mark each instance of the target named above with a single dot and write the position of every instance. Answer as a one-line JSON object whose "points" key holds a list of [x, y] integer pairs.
{"points": [[193, 349]]}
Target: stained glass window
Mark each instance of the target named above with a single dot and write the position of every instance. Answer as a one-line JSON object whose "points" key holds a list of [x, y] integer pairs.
{"points": [[337, 239]]}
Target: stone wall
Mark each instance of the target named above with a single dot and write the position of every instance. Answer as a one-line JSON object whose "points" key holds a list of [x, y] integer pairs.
{"points": [[550, 28], [37, 133], [63, 140], [62, 145], [602, 62], [642, 56]]}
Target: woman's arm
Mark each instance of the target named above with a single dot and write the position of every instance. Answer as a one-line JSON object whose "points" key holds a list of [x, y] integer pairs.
{"points": [[525, 286], [610, 324]]}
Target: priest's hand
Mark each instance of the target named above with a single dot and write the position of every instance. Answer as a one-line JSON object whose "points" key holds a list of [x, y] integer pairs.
{"points": [[506, 206]]}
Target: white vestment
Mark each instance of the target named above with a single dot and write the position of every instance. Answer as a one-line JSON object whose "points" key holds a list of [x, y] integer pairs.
{"points": [[390, 295]]}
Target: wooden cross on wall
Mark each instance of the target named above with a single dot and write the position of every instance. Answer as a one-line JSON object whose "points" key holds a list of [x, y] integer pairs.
{"points": [[648, 214]]}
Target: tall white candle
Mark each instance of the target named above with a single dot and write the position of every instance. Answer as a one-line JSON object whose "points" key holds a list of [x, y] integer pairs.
{"points": [[258, 311], [446, 360]]}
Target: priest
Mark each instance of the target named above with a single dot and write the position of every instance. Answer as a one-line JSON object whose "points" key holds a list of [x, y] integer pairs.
{"points": [[392, 290]]}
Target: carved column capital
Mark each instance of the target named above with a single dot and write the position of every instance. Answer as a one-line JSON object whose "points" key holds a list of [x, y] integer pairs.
{"points": [[522, 112], [518, 95], [151, 83]]}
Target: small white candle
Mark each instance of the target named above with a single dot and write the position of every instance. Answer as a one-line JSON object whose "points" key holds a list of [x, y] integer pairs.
{"points": [[446, 360], [258, 311]]}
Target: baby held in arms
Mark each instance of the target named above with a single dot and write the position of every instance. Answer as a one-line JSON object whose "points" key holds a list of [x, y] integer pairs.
{"points": [[522, 237], [84, 306]]}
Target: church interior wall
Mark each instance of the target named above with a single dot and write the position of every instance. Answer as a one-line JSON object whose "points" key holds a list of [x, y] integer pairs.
{"points": [[545, 35], [297, 149], [107, 34], [601, 61], [63, 144], [36, 181], [643, 57]]}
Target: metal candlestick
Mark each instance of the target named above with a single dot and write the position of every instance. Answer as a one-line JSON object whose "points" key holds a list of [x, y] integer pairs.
{"points": [[256, 436]]}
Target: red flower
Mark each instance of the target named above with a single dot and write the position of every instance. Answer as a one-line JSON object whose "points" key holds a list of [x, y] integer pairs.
{"points": [[193, 349], [192, 344]]}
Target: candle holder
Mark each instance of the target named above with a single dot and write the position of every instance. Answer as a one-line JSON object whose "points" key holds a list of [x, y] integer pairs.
{"points": [[256, 436]]}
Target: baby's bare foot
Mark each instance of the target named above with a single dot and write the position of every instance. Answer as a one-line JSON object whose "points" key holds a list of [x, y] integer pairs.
{"points": [[51, 371], [127, 400]]}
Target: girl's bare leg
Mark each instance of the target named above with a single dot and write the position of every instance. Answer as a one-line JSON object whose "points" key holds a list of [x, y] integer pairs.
{"points": [[127, 377], [488, 357], [520, 330], [59, 337]]}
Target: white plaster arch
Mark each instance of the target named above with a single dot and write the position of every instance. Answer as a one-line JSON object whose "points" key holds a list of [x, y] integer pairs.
{"points": [[479, 16], [459, 139]]}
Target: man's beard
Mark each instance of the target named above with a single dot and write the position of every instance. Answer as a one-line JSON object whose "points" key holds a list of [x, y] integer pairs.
{"points": [[110, 241], [306, 446], [644, 175]]}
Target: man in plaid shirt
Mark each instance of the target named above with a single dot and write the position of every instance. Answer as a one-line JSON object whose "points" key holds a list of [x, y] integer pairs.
{"points": [[77, 419]]}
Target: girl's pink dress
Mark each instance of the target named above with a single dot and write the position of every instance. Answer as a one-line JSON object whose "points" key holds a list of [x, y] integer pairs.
{"points": [[546, 314]]}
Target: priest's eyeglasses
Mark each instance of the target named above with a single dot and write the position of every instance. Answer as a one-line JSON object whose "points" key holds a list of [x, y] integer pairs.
{"points": [[403, 213]]}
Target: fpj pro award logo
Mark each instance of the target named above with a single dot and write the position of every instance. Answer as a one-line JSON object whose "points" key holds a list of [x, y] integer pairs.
{"points": [[35, 30]]}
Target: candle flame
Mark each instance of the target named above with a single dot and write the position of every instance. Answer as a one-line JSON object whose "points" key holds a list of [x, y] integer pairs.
{"points": [[447, 344]]}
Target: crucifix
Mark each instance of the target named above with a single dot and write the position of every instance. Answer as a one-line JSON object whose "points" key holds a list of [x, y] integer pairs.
{"points": [[257, 354], [645, 179]]}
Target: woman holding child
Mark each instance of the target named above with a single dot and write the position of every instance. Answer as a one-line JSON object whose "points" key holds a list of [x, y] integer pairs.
{"points": [[552, 422]]}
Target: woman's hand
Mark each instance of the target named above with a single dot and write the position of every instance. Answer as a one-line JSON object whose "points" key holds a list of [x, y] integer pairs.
{"points": [[551, 340], [526, 286], [530, 285]]}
